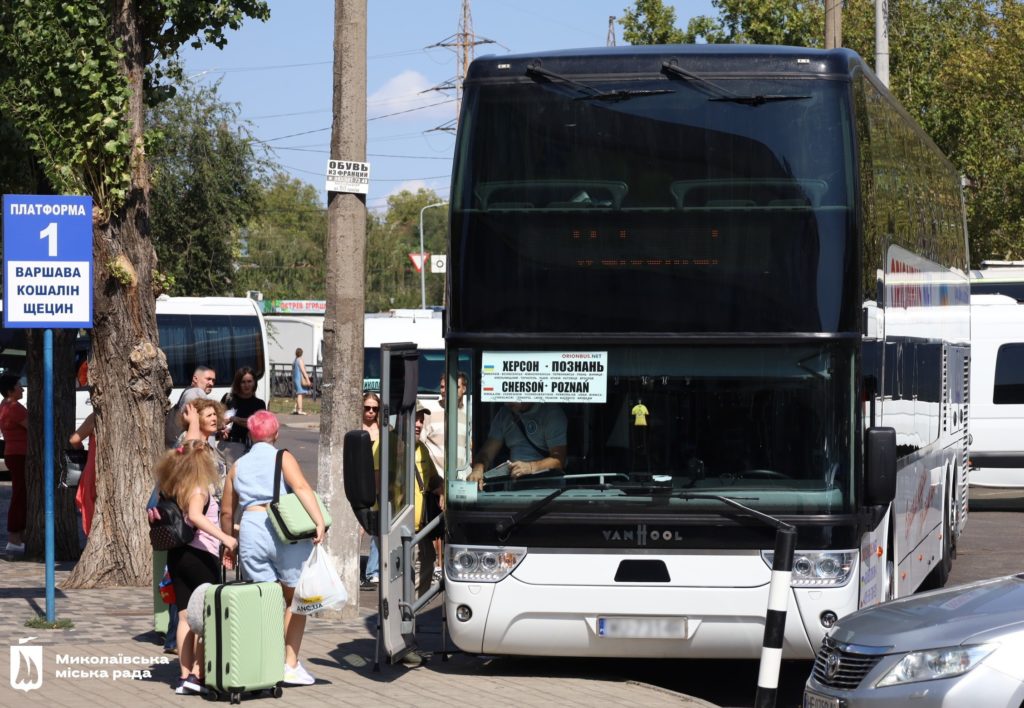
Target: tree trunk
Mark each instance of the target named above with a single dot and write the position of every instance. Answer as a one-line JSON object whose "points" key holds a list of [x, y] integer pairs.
{"points": [[341, 405], [127, 370], [65, 521]]}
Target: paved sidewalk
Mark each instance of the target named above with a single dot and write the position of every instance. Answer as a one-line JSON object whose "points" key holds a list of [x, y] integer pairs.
{"points": [[116, 624]]}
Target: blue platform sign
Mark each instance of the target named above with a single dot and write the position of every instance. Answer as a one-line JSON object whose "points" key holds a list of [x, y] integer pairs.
{"points": [[47, 261]]}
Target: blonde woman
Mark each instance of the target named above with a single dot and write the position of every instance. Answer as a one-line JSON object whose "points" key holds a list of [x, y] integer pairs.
{"points": [[203, 420], [188, 476]]}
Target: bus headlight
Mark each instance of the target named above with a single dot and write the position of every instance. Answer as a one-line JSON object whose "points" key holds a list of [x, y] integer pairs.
{"points": [[481, 564], [824, 569]]}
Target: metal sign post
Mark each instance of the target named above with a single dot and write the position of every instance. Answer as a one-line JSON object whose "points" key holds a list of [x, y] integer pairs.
{"points": [[47, 284]]}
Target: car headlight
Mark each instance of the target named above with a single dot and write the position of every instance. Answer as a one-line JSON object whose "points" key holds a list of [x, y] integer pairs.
{"points": [[936, 664], [818, 568], [481, 564]]}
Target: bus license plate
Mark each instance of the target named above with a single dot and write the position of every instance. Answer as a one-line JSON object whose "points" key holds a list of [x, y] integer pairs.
{"points": [[815, 700], [642, 627]]}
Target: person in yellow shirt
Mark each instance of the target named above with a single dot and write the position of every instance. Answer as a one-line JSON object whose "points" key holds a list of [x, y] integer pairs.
{"points": [[428, 482]]}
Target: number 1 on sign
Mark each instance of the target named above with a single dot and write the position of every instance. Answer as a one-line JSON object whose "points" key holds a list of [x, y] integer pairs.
{"points": [[50, 232]]}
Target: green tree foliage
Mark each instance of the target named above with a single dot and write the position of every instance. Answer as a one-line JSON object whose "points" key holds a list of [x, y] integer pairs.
{"points": [[206, 178], [282, 249], [66, 84], [957, 67], [391, 279], [650, 22], [792, 22]]}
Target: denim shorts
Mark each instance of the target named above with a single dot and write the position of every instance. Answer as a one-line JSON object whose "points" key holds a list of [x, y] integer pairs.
{"points": [[264, 557]]}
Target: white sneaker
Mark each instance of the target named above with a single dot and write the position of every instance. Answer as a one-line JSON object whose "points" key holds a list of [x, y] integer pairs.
{"points": [[297, 675], [15, 548]]}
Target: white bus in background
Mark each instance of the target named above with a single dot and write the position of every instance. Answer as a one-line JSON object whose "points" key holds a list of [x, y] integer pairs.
{"points": [[423, 327], [997, 391], [286, 333], [999, 278], [224, 333]]}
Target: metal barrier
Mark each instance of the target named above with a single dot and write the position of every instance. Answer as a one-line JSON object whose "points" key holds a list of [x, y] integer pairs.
{"points": [[282, 386]]}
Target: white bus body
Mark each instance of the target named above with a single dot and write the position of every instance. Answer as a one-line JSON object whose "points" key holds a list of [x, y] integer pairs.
{"points": [[997, 391], [224, 333], [422, 327]]}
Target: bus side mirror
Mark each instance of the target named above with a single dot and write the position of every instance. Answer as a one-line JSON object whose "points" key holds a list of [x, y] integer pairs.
{"points": [[360, 486], [880, 466]]}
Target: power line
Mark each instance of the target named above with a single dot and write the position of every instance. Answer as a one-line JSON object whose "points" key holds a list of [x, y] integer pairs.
{"points": [[387, 115], [410, 110]]}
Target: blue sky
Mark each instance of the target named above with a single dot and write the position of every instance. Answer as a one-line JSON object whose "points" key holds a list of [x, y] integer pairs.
{"points": [[279, 73]]}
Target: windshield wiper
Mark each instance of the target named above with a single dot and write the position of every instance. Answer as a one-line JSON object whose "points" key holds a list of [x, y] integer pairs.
{"points": [[506, 526], [734, 502], [705, 85], [718, 93], [592, 94], [760, 100]]}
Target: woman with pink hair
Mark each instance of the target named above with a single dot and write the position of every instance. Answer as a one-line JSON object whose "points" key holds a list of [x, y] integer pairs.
{"points": [[263, 556]]}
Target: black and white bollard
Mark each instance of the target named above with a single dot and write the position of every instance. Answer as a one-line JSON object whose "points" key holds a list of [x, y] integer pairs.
{"points": [[775, 619]]}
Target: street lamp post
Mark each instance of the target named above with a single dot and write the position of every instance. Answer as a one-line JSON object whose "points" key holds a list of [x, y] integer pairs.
{"points": [[423, 260]]}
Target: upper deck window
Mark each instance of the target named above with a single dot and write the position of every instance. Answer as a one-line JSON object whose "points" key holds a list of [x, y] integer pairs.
{"points": [[739, 211]]}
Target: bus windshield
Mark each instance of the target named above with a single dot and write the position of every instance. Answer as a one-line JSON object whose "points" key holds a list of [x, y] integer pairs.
{"points": [[770, 425], [738, 211]]}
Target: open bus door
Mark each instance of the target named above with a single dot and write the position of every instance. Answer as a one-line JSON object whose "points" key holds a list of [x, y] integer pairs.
{"points": [[393, 521], [397, 618]]}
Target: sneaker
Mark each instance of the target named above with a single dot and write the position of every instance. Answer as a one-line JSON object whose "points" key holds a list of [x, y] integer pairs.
{"points": [[297, 675], [412, 660], [15, 548], [301, 413], [188, 686]]}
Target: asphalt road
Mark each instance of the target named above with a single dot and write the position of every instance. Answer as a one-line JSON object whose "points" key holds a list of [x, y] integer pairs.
{"points": [[991, 546]]}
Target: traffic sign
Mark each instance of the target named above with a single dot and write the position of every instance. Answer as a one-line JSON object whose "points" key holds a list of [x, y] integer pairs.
{"points": [[47, 261], [418, 260], [438, 263]]}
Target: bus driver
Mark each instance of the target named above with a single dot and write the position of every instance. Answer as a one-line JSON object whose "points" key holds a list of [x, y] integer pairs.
{"points": [[535, 435]]}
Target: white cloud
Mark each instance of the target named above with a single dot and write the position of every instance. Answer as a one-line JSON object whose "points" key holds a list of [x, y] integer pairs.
{"points": [[411, 186], [406, 91]]}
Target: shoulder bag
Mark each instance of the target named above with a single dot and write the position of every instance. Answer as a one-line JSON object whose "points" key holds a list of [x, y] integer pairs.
{"points": [[74, 463], [287, 515]]}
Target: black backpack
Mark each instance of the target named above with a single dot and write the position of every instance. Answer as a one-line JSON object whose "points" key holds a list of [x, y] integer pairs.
{"points": [[170, 530]]}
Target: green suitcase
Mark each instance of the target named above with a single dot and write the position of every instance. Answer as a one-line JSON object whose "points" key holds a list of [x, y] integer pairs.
{"points": [[243, 638]]}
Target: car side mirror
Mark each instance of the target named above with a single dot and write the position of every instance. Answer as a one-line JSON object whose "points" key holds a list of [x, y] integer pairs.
{"points": [[879, 466], [360, 485]]}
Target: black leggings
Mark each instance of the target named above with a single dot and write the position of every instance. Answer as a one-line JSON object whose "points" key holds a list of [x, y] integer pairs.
{"points": [[189, 568]]}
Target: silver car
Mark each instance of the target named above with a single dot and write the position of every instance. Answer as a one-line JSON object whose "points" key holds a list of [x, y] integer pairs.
{"points": [[960, 646]]}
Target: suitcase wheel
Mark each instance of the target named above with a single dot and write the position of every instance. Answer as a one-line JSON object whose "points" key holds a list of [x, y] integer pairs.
{"points": [[211, 694], [278, 691], [236, 697]]}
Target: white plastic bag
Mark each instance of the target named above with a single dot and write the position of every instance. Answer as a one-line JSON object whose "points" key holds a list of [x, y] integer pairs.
{"points": [[319, 585]]}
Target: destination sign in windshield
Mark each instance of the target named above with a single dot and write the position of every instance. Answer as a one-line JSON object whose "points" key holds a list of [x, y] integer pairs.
{"points": [[544, 377]]}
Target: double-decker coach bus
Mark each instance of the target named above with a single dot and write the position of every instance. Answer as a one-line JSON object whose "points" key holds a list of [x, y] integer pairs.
{"points": [[736, 273]]}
